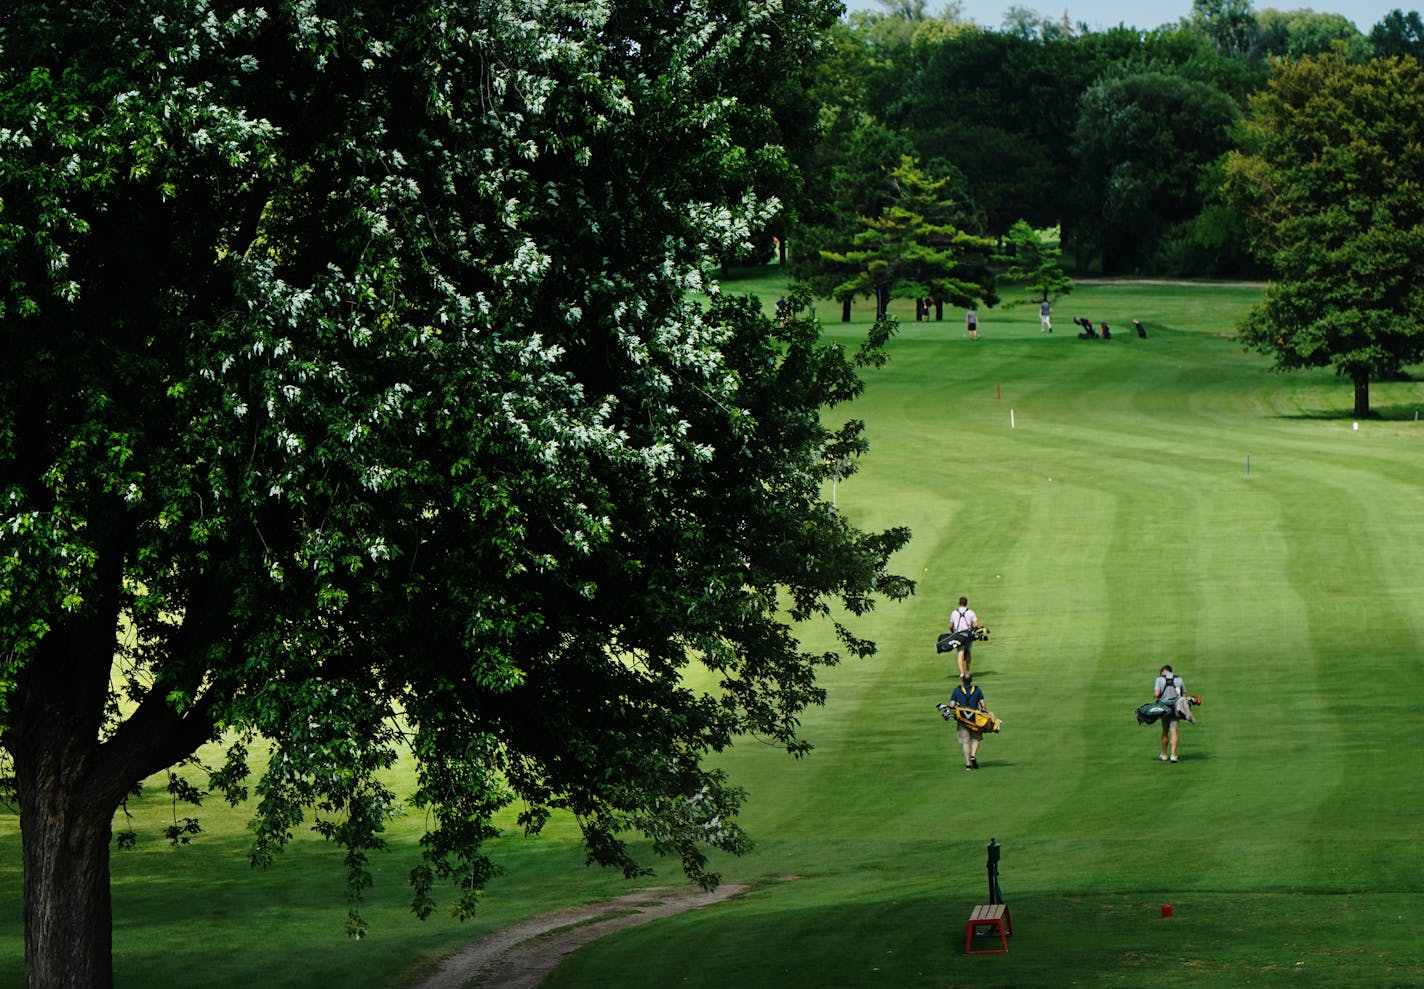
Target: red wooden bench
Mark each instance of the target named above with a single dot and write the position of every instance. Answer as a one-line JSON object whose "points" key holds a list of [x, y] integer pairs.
{"points": [[989, 915]]}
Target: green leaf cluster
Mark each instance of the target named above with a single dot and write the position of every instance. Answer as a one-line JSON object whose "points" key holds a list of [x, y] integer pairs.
{"points": [[1033, 259], [354, 408], [920, 244], [1332, 170]]}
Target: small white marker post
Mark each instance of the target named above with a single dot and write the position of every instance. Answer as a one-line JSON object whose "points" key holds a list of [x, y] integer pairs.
{"points": [[1011, 418]]}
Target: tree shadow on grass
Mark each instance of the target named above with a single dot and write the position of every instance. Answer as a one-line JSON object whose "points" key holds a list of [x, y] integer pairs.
{"points": [[1399, 412], [917, 941]]}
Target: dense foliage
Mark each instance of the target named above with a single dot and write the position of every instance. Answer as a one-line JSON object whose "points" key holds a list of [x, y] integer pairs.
{"points": [[1113, 136], [1143, 143], [920, 244], [1332, 169], [1032, 259], [353, 394]]}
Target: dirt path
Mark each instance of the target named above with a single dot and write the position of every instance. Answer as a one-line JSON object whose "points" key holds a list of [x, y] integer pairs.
{"points": [[522, 956]]}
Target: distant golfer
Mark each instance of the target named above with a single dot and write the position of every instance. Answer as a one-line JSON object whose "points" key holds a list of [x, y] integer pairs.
{"points": [[1045, 317], [1167, 688], [971, 323], [967, 694], [963, 619]]}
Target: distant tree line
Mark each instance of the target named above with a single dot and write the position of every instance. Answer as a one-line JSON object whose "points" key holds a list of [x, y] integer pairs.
{"points": [[1116, 138]]}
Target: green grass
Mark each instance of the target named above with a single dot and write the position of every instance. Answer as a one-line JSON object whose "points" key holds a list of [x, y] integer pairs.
{"points": [[1092, 499], [203, 909], [1110, 528]]}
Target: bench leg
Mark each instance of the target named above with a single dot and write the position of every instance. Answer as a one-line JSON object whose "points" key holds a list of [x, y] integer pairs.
{"points": [[974, 925]]}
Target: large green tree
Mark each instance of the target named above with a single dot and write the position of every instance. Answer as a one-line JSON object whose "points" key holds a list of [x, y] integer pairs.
{"points": [[1231, 25], [1143, 143], [852, 179], [1032, 258], [1399, 33], [1000, 108], [924, 244], [1332, 168], [353, 407], [1297, 33]]}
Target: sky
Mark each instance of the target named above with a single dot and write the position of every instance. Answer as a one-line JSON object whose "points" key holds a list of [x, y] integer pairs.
{"points": [[1102, 14]]}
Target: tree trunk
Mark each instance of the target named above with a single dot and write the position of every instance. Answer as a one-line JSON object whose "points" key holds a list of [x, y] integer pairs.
{"points": [[68, 910], [845, 309], [73, 765], [65, 819], [70, 782], [1362, 393]]}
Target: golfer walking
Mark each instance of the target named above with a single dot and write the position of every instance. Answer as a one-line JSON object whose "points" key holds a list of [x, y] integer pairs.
{"points": [[967, 694], [1045, 317], [1168, 688], [962, 619]]}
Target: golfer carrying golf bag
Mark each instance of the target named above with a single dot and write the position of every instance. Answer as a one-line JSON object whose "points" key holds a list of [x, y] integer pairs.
{"points": [[1168, 688], [968, 695], [963, 619]]}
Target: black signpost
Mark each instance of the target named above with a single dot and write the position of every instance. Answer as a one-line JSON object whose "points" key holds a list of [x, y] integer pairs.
{"points": [[996, 895]]}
